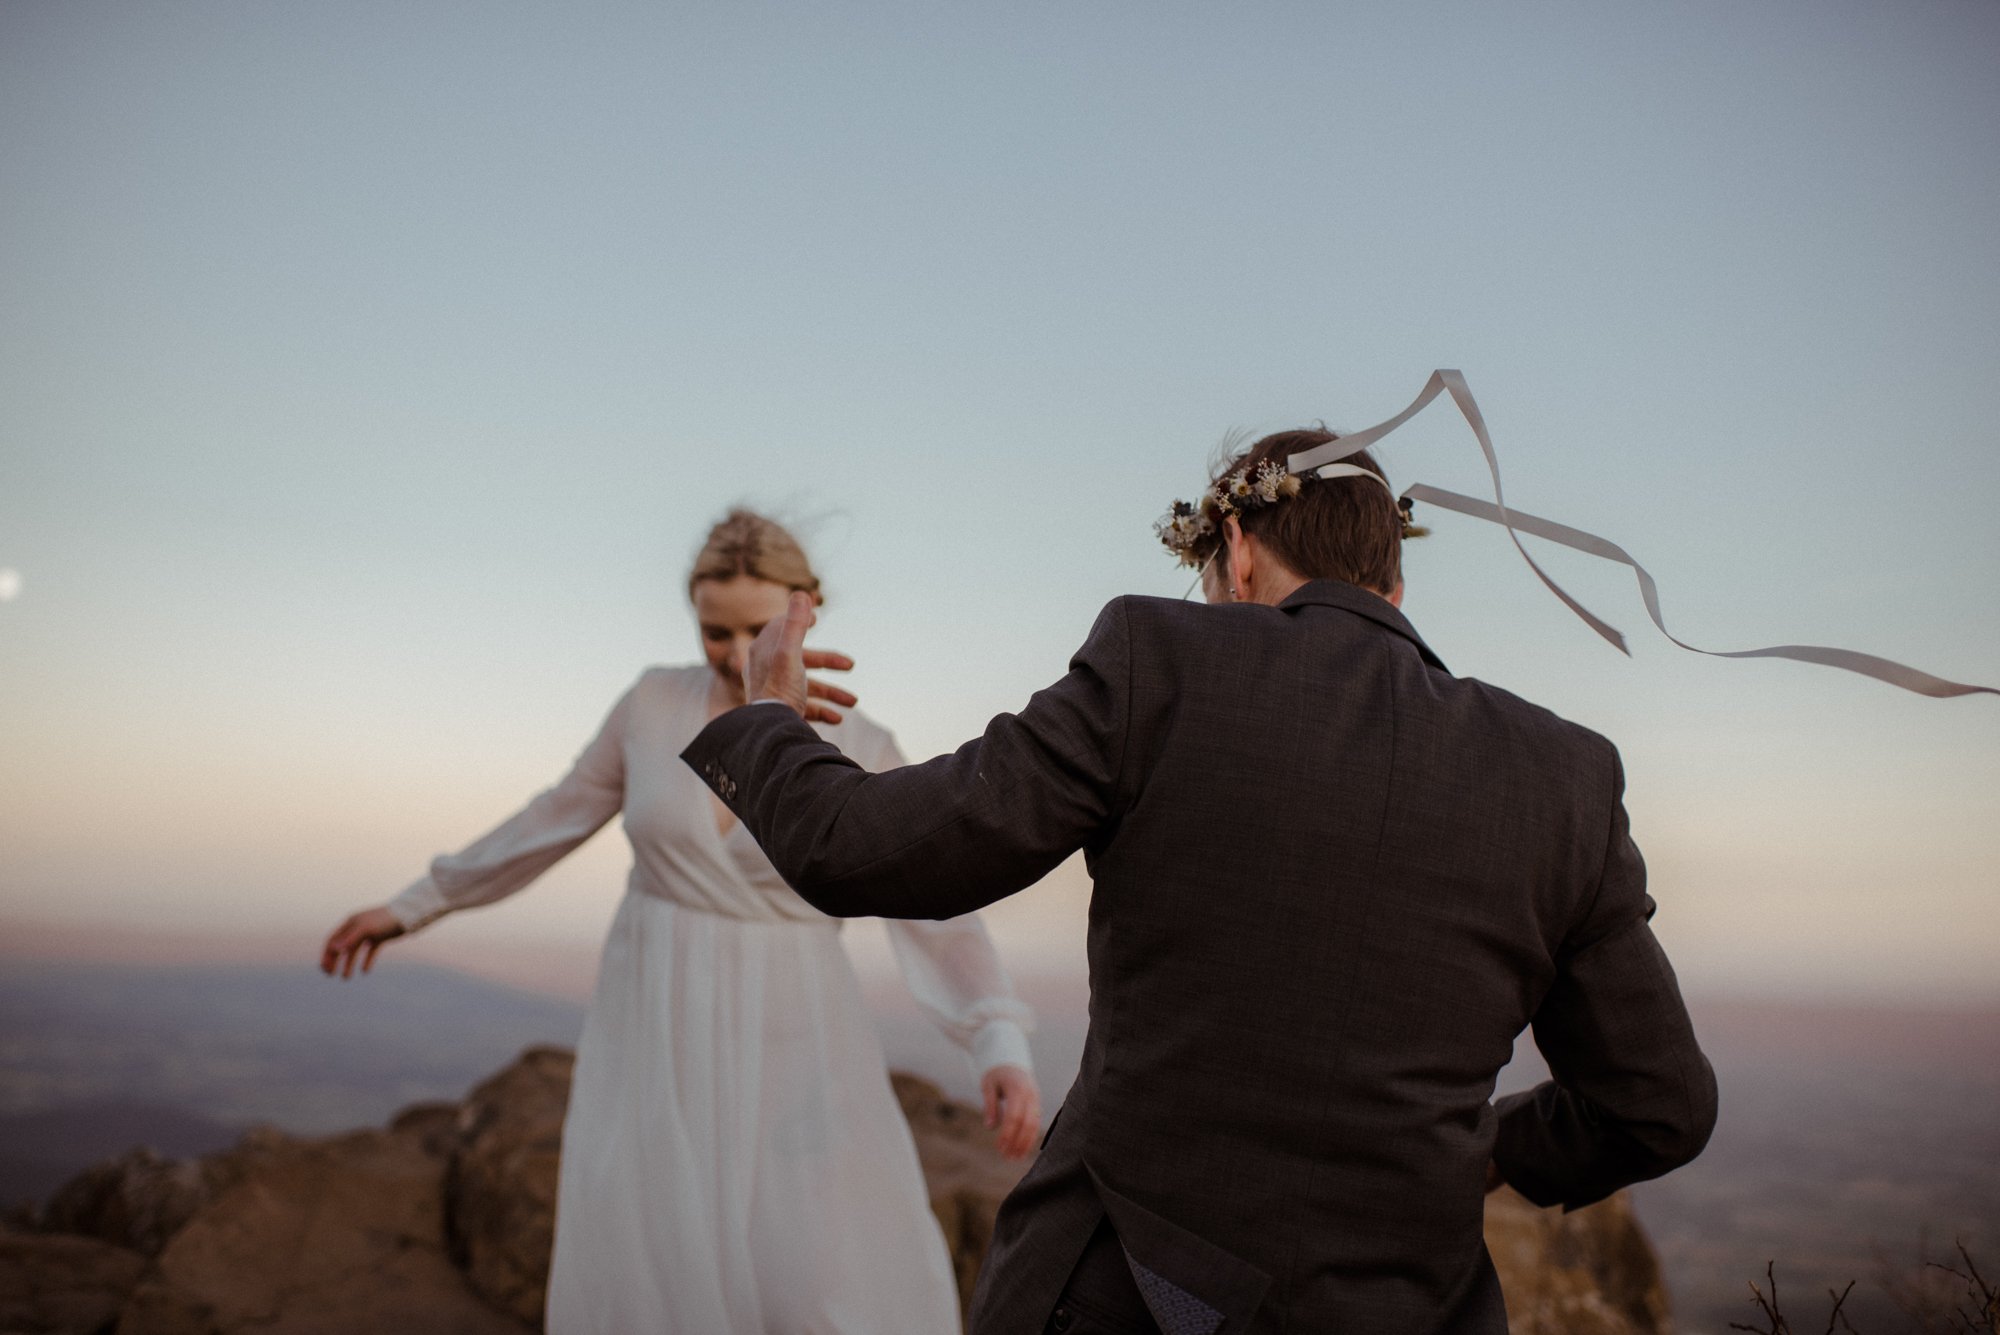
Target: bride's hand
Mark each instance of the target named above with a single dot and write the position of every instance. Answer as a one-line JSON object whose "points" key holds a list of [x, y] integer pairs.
{"points": [[775, 667], [1013, 1109], [357, 940]]}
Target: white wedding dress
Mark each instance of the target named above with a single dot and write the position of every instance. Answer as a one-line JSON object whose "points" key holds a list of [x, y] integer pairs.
{"points": [[733, 1161]]}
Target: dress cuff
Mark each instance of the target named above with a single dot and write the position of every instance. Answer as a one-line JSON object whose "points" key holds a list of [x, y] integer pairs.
{"points": [[422, 903], [1001, 1043]]}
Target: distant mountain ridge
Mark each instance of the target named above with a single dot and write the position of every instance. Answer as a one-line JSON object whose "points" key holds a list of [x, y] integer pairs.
{"points": [[97, 1057]]}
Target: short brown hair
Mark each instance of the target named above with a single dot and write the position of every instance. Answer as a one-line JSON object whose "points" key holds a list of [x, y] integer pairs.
{"points": [[747, 543], [1344, 528]]}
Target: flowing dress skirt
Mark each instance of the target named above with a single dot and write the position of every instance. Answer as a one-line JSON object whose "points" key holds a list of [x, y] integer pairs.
{"points": [[734, 1161]]}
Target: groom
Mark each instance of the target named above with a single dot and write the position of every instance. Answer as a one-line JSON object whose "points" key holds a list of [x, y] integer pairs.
{"points": [[1332, 883]]}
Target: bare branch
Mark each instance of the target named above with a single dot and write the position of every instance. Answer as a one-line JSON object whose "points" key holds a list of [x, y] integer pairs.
{"points": [[1983, 1318], [1768, 1306]]}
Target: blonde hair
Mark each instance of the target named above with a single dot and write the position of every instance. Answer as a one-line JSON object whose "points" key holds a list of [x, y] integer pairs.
{"points": [[746, 543]]}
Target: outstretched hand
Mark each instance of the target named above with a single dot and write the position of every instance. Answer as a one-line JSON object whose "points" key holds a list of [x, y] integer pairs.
{"points": [[775, 667], [356, 941], [1013, 1108]]}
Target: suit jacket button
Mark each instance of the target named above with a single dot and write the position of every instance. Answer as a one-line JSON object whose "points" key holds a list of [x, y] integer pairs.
{"points": [[1061, 1319]]}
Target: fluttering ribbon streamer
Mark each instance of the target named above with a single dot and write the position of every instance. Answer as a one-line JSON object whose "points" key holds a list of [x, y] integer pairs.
{"points": [[1517, 522]]}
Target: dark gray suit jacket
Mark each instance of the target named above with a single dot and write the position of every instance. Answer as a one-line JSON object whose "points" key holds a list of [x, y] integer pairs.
{"points": [[1332, 883]]}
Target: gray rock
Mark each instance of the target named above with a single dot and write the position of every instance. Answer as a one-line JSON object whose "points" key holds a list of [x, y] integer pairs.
{"points": [[312, 1237], [1589, 1272], [443, 1223], [500, 1194], [56, 1285], [137, 1201], [965, 1172]]}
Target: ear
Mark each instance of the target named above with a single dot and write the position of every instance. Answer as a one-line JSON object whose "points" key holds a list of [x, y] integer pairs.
{"points": [[1241, 561]]}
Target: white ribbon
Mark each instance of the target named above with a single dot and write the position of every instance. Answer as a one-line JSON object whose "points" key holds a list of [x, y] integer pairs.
{"points": [[1351, 470], [1516, 523]]}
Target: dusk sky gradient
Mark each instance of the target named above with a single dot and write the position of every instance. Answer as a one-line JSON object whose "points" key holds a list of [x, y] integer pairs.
{"points": [[370, 372]]}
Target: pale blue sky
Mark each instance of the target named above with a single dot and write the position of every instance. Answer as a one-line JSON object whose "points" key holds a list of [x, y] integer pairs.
{"points": [[368, 374]]}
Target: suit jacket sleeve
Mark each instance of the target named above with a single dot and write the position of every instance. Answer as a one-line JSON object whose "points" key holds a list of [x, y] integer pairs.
{"points": [[1631, 1096], [945, 837]]}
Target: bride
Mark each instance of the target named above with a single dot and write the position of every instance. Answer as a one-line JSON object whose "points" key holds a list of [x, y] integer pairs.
{"points": [[733, 1159]]}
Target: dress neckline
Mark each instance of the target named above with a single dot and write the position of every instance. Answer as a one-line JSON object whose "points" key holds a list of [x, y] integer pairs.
{"points": [[717, 817]]}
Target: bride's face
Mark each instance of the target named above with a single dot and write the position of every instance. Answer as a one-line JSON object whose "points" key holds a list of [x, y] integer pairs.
{"points": [[730, 612]]}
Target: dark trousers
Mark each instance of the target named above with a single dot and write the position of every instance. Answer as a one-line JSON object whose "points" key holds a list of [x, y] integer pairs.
{"points": [[1101, 1297]]}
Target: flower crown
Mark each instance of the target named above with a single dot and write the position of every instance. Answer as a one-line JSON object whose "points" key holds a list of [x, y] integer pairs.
{"points": [[1190, 530]]}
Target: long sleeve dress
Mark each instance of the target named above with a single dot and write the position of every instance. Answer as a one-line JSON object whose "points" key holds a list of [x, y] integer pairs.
{"points": [[733, 1160]]}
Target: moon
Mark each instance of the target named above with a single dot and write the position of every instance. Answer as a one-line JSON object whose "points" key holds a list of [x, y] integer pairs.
{"points": [[10, 585]]}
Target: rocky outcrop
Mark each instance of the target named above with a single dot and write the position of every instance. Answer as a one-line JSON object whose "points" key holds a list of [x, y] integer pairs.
{"points": [[345, 1233], [136, 1201], [967, 1177], [279, 1235], [1590, 1272], [51, 1284], [500, 1197], [442, 1223]]}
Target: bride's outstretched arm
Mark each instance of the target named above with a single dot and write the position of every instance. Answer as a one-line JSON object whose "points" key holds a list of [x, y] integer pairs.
{"points": [[503, 860]]}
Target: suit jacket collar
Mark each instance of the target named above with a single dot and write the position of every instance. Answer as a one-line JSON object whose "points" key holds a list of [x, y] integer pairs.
{"points": [[1353, 598]]}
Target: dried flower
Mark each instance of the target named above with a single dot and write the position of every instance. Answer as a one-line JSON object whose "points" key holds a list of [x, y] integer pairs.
{"points": [[1188, 529], [1182, 529]]}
